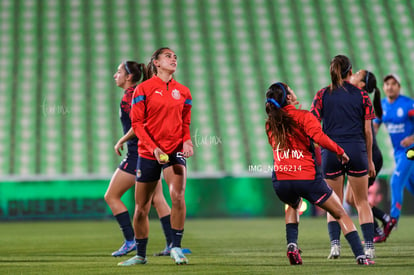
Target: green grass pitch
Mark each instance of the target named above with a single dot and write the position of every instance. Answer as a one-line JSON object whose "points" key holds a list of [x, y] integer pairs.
{"points": [[219, 246]]}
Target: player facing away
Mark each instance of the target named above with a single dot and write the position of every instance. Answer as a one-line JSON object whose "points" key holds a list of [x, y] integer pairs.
{"points": [[291, 133], [161, 115], [128, 74], [398, 118], [366, 80], [346, 112]]}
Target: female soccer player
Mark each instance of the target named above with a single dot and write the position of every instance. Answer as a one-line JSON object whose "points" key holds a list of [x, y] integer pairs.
{"points": [[126, 77], [398, 118], [291, 134], [346, 112], [161, 114], [367, 81]]}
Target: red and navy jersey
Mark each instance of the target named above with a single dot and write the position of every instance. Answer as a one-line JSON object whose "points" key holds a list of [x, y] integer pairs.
{"points": [[299, 161], [161, 116], [124, 111], [343, 112]]}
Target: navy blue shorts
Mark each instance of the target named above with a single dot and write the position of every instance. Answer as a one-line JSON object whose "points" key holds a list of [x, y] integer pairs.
{"points": [[129, 163], [356, 167], [315, 191], [150, 170]]}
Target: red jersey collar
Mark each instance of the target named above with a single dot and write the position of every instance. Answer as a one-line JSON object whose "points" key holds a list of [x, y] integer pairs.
{"points": [[289, 107], [159, 80]]}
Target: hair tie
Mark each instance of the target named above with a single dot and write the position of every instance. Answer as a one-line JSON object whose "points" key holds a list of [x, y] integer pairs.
{"points": [[126, 68], [274, 102], [283, 90]]}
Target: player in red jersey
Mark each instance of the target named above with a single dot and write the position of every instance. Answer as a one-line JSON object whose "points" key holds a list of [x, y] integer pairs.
{"points": [[129, 73], [161, 115], [291, 133], [346, 112]]}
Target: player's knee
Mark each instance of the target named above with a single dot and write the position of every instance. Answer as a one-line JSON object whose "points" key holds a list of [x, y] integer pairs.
{"points": [[338, 214], [141, 212], [350, 202], [361, 202], [109, 199], [177, 199], [158, 201]]}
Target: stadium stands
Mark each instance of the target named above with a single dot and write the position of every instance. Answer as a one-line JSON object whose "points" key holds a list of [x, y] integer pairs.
{"points": [[6, 84], [58, 100], [25, 111]]}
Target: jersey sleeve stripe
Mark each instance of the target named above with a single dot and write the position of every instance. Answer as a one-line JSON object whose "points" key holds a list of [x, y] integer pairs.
{"points": [[138, 99], [189, 102]]}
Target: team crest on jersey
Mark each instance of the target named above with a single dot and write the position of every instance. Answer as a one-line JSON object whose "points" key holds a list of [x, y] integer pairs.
{"points": [[400, 112], [176, 94]]}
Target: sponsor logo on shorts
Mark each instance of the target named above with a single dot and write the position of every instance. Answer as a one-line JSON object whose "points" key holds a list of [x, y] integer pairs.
{"points": [[180, 156], [139, 173]]}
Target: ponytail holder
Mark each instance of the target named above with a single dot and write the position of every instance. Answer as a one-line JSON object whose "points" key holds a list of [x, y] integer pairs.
{"points": [[274, 102], [283, 90]]}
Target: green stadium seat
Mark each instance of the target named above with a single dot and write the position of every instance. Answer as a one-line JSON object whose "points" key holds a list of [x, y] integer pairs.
{"points": [[224, 90], [386, 48], [7, 56], [402, 28], [316, 64], [203, 128], [144, 32], [250, 97], [27, 102], [75, 150], [52, 108], [287, 36]]}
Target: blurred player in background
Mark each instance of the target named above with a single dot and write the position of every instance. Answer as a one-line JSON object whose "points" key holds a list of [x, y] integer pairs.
{"points": [[367, 81], [129, 73], [161, 115], [375, 195], [398, 117], [346, 112], [291, 134]]}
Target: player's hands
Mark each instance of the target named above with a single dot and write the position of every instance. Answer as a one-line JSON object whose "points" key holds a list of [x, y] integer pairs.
{"points": [[119, 146], [371, 169], [157, 154], [343, 158], [188, 148], [407, 141]]}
